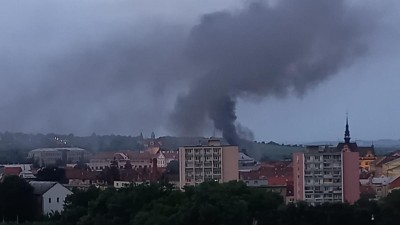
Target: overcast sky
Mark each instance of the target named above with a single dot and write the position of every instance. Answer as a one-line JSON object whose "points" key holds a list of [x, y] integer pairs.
{"points": [[118, 66]]}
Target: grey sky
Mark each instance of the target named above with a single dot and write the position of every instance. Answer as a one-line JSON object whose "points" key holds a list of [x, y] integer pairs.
{"points": [[117, 67]]}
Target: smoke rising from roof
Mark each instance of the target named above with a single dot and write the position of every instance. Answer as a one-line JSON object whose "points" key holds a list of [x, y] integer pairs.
{"points": [[266, 50]]}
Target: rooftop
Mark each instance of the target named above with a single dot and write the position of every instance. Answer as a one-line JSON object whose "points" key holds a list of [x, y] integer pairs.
{"points": [[41, 187], [57, 149]]}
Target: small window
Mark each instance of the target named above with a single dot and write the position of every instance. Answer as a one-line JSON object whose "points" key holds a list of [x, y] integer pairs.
{"points": [[58, 199], [49, 200]]}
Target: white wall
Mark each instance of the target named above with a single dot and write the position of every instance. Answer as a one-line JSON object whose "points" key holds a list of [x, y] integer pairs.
{"points": [[57, 192]]}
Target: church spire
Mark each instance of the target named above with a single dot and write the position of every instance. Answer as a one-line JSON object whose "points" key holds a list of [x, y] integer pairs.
{"points": [[347, 132]]}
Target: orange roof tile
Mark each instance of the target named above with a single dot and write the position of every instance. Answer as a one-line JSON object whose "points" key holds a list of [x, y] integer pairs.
{"points": [[12, 171]]}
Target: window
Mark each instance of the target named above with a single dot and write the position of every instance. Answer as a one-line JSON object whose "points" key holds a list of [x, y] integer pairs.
{"points": [[58, 199], [49, 200]]}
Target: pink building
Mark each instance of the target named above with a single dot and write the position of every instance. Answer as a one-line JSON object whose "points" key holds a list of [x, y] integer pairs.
{"points": [[326, 174]]}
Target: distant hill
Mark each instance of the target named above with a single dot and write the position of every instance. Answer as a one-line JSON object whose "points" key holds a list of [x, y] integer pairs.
{"points": [[382, 146], [257, 150], [15, 146]]}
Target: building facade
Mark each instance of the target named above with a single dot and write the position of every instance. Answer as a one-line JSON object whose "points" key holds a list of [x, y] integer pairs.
{"points": [[326, 174], [214, 162], [52, 156], [50, 196]]}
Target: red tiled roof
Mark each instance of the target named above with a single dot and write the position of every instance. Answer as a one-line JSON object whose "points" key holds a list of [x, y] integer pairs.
{"points": [[395, 183], [71, 173], [119, 155], [279, 170], [278, 181], [12, 171], [386, 159], [140, 174], [367, 190], [139, 155]]}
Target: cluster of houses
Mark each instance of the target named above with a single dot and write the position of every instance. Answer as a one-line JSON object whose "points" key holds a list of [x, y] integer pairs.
{"points": [[381, 176], [83, 169], [378, 175]]}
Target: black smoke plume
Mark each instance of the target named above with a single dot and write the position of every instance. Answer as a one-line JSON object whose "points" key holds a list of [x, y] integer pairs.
{"points": [[266, 49]]}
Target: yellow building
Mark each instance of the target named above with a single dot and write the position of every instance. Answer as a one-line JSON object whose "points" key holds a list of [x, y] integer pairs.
{"points": [[213, 162], [391, 168], [367, 157]]}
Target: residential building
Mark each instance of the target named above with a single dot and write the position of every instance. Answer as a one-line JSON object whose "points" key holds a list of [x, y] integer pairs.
{"points": [[381, 185], [137, 159], [213, 162], [326, 174], [367, 157], [391, 168], [246, 163], [53, 156], [165, 157], [50, 196], [83, 179], [378, 165]]}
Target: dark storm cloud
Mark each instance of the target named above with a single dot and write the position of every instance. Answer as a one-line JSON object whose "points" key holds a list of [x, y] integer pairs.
{"points": [[266, 50], [83, 67]]}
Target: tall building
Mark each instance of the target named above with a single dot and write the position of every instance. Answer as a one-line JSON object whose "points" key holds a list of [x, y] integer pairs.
{"points": [[213, 162], [366, 153], [327, 174]]}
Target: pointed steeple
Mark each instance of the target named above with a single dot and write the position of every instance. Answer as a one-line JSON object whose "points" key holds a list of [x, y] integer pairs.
{"points": [[347, 131]]}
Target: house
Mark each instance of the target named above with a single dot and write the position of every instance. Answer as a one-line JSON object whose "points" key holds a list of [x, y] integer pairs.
{"points": [[377, 167], [137, 159], [50, 196], [391, 168], [380, 185], [274, 176], [12, 171], [83, 178], [165, 157], [246, 163]]}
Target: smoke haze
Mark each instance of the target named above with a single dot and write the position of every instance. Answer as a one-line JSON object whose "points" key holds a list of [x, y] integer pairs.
{"points": [[266, 50], [86, 67]]}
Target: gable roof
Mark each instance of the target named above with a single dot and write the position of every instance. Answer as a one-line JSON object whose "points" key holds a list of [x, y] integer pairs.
{"points": [[385, 160], [395, 183], [72, 173], [8, 171], [365, 151], [352, 145], [41, 187]]}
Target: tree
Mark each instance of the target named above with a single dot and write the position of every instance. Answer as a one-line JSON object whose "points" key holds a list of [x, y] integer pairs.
{"points": [[52, 173], [173, 167], [391, 208], [16, 199], [76, 205]]}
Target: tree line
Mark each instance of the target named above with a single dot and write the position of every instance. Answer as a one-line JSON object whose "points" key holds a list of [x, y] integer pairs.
{"points": [[211, 203]]}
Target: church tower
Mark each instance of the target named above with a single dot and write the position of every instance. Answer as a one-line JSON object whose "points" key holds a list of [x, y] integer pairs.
{"points": [[347, 132]]}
